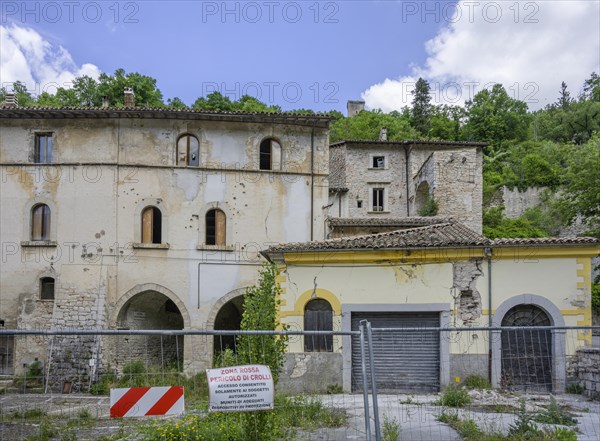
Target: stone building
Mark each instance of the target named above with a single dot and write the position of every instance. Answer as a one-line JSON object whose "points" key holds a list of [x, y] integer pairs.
{"points": [[143, 218], [403, 179]]}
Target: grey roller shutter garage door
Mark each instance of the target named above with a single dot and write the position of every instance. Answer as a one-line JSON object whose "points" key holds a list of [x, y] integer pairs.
{"points": [[405, 361]]}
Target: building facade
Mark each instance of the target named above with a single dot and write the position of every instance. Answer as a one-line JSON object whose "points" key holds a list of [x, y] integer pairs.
{"points": [[436, 276], [400, 179], [146, 219]]}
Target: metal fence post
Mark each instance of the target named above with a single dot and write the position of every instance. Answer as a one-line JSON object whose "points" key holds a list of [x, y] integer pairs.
{"points": [[373, 383], [365, 382]]}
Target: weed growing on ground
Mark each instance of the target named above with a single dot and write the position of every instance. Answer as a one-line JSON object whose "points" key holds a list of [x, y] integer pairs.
{"points": [[555, 414], [391, 428], [575, 388], [454, 396], [476, 382]]}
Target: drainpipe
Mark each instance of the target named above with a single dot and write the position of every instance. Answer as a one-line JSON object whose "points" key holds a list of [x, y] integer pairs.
{"points": [[488, 255], [312, 182], [407, 187]]}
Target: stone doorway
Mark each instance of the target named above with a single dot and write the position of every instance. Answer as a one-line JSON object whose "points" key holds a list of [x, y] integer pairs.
{"points": [[228, 318], [151, 310]]}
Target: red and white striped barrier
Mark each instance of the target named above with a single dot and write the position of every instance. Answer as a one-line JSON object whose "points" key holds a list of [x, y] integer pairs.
{"points": [[146, 401]]}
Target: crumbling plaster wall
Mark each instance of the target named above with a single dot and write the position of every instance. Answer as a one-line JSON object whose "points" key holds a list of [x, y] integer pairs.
{"points": [[105, 172]]}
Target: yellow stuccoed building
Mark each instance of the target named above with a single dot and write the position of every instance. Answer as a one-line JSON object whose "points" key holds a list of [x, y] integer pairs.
{"points": [[437, 276]]}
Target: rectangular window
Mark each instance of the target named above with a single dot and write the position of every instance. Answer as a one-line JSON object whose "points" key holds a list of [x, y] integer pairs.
{"points": [[378, 199], [43, 148], [378, 161]]}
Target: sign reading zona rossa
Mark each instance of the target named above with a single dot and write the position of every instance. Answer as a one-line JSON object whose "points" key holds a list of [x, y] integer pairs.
{"points": [[240, 388]]}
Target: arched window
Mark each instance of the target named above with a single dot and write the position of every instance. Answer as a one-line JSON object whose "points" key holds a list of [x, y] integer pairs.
{"points": [[40, 222], [188, 151], [215, 227], [47, 288], [151, 225], [269, 154], [318, 316]]}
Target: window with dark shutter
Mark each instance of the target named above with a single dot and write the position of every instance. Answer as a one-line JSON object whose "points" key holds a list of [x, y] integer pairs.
{"points": [[318, 316]]}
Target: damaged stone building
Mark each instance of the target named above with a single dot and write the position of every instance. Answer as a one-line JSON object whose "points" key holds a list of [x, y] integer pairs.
{"points": [[137, 218]]}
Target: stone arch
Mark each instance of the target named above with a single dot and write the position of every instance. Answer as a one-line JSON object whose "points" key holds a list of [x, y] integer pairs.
{"points": [[558, 350], [141, 288], [212, 315], [319, 293], [422, 194]]}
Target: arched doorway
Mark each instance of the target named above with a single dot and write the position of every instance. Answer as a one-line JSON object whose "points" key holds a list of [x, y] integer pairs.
{"points": [[526, 354], [151, 310], [228, 318]]}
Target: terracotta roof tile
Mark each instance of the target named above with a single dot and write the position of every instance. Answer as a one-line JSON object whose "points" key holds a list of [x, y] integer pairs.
{"points": [[414, 221]]}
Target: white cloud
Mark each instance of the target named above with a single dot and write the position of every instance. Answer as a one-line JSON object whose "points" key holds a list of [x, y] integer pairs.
{"points": [[27, 57], [530, 48]]}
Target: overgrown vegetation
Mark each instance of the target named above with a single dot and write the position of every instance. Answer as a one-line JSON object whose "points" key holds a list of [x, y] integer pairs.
{"points": [[390, 430], [454, 396], [289, 416], [523, 429], [429, 208], [556, 414], [476, 382]]}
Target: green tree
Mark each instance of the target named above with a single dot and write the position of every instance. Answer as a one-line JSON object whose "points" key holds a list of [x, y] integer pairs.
{"points": [[144, 87], [261, 305], [421, 109], [495, 117], [176, 103], [367, 125], [564, 99], [581, 190]]}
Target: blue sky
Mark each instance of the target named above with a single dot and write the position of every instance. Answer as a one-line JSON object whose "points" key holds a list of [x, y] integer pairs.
{"points": [[309, 54]]}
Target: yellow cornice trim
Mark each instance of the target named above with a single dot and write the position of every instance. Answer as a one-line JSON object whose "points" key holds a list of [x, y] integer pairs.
{"points": [[523, 253]]}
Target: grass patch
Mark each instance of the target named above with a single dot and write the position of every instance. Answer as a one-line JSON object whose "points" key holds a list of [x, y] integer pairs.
{"points": [[476, 382], [391, 428], [290, 415], [555, 414], [136, 374], [454, 396], [29, 414]]}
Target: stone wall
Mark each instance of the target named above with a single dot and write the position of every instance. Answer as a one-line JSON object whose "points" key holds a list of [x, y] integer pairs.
{"points": [[310, 372], [586, 367]]}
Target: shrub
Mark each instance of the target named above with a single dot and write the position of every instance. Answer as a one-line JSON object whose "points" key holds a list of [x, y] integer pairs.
{"points": [[391, 428], [555, 414], [455, 396], [476, 382], [429, 208], [524, 427]]}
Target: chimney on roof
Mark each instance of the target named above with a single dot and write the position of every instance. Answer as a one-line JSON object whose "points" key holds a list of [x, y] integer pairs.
{"points": [[355, 107], [105, 102], [129, 97], [383, 134], [11, 100]]}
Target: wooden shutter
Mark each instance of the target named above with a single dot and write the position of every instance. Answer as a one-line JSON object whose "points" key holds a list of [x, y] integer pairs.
{"points": [[147, 222], [220, 227]]}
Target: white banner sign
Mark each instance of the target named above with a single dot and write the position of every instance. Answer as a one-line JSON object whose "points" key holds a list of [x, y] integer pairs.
{"points": [[240, 388]]}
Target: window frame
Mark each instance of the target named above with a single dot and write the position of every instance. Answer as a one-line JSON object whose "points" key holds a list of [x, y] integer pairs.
{"points": [[44, 281], [319, 319], [154, 228], [218, 236], [373, 162], [45, 222], [273, 155], [48, 150], [381, 205], [188, 161]]}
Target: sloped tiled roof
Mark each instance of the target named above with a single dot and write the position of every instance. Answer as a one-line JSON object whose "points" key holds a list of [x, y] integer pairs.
{"points": [[546, 241], [414, 221], [10, 111], [410, 142], [440, 235], [447, 234]]}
